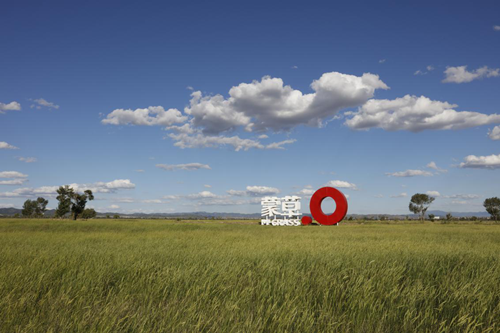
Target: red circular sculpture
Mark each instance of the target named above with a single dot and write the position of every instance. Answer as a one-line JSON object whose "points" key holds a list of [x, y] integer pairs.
{"points": [[317, 212]]}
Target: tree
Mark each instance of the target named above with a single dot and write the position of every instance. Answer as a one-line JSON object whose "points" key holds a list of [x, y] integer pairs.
{"points": [[449, 217], [28, 208], [35, 208], [69, 200], [40, 206], [116, 216], [89, 213], [492, 206], [419, 204], [431, 217], [78, 202], [64, 198]]}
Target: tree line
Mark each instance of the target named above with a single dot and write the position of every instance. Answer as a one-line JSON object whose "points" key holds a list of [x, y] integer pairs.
{"points": [[420, 203], [71, 203]]}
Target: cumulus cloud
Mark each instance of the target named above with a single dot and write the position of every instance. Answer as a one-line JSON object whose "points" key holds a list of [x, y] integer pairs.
{"points": [[153, 201], [496, 27], [409, 173], [342, 184], [481, 162], [381, 61], [42, 102], [460, 74], [262, 105], [114, 207], [99, 187], [153, 115], [237, 193], [12, 174], [433, 165], [494, 134], [415, 114], [261, 190], [269, 104], [188, 166], [12, 106], [5, 145], [13, 182], [200, 140], [462, 196], [27, 159], [433, 193], [400, 195], [429, 68], [202, 195]]}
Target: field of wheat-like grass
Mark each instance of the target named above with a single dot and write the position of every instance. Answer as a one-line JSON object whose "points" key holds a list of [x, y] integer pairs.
{"points": [[237, 276]]}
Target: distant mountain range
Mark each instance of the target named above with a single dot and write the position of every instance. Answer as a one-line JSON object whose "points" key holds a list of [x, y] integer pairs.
{"points": [[203, 215]]}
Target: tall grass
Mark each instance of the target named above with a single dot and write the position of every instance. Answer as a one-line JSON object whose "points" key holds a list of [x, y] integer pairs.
{"points": [[116, 276]]}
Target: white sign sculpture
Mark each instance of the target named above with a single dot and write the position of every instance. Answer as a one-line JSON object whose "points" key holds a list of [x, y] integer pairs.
{"points": [[281, 211]]}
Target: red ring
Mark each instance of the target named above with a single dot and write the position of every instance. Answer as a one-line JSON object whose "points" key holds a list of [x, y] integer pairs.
{"points": [[340, 201]]}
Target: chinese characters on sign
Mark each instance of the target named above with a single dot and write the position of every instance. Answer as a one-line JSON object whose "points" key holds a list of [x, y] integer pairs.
{"points": [[281, 211]]}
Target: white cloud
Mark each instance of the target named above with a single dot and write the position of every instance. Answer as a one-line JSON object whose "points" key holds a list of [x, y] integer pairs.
{"points": [[342, 184], [481, 162], [207, 186], [419, 72], [433, 193], [236, 193], [202, 195], [114, 207], [139, 170], [154, 201], [295, 67], [188, 166], [8, 205], [261, 190], [13, 181], [460, 74], [12, 106], [99, 187], [430, 68], [153, 115], [201, 140], [269, 104], [189, 88], [5, 145], [400, 195], [496, 27], [381, 61], [27, 159], [12, 174], [462, 196], [432, 165], [409, 173], [263, 136], [416, 114], [43, 102], [494, 134]]}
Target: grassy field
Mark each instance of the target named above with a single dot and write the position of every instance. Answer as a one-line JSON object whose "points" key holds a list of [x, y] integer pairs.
{"points": [[175, 276]]}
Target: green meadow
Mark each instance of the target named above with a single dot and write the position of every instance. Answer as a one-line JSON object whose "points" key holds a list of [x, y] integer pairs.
{"points": [[238, 276]]}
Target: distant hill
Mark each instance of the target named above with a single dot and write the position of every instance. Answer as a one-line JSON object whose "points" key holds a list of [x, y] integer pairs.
{"points": [[223, 215]]}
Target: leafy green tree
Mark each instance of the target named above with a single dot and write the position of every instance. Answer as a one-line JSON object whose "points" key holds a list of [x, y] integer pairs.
{"points": [[78, 202], [64, 198], [431, 217], [89, 213], [69, 200], [116, 216], [492, 206], [40, 206], [449, 217], [419, 204], [28, 208], [35, 208]]}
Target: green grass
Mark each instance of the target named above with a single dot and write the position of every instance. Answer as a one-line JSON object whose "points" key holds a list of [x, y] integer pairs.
{"points": [[166, 276]]}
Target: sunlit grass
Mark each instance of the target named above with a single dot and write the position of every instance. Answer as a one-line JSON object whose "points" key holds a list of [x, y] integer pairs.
{"points": [[171, 276]]}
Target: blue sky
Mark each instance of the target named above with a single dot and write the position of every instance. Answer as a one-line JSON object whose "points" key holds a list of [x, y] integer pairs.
{"points": [[359, 95]]}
